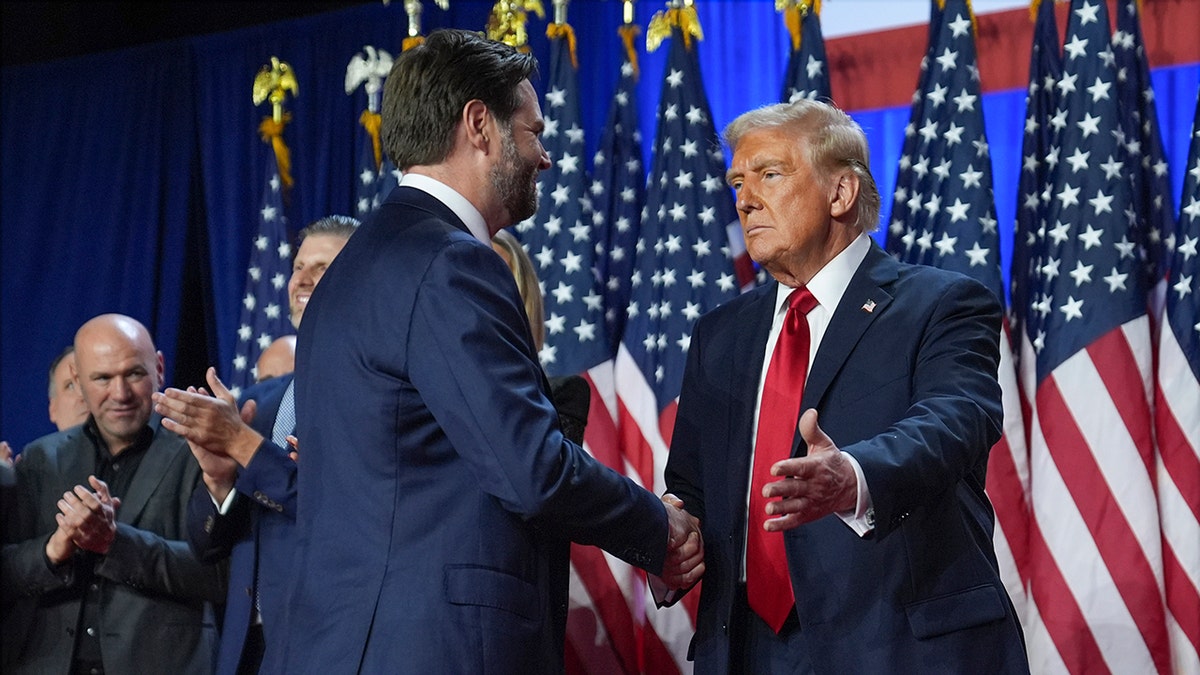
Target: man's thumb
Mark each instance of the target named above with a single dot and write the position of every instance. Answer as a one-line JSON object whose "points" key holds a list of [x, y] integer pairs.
{"points": [[811, 432]]}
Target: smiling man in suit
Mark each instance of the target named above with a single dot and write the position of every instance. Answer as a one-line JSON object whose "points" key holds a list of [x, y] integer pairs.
{"points": [[249, 510], [842, 505], [100, 567], [438, 495]]}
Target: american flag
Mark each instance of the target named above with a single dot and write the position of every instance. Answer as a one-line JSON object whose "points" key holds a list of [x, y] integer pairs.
{"points": [[1177, 422], [561, 236], [376, 176], [807, 74], [1039, 154], [1152, 211], [374, 182], [912, 169], [619, 191], [264, 315], [684, 267], [948, 219], [1096, 572]]}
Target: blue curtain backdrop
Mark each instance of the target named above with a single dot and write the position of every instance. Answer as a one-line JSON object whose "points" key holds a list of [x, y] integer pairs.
{"points": [[131, 179]]}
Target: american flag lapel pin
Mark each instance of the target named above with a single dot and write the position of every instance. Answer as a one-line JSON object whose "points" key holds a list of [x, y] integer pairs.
{"points": [[868, 306]]}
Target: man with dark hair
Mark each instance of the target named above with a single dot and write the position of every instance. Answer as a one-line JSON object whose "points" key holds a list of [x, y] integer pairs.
{"points": [[66, 406], [438, 495], [248, 511], [100, 568], [859, 541]]}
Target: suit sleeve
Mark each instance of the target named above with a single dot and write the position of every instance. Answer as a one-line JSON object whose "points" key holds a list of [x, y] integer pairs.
{"points": [[270, 480], [212, 534], [150, 562], [955, 411], [472, 359]]}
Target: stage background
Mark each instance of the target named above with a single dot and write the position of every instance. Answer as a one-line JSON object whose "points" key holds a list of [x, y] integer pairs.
{"points": [[132, 179]]}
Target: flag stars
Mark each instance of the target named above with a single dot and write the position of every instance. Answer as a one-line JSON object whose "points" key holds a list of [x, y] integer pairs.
{"points": [[1090, 237], [958, 211], [556, 97], [1101, 203], [1079, 160], [959, 26], [977, 255], [675, 78], [945, 245], [1116, 280], [1099, 90], [571, 262], [971, 177], [1082, 273], [1072, 309], [965, 101], [948, 60], [1076, 47], [1089, 125], [1184, 286]]}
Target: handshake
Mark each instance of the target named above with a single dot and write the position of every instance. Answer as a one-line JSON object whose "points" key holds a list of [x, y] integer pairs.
{"points": [[684, 564]]}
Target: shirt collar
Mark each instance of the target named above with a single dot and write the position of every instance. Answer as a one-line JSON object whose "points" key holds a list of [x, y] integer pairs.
{"points": [[831, 281], [453, 200]]}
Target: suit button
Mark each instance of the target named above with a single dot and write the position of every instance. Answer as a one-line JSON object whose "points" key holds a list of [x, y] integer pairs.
{"points": [[249, 593], [91, 631]]}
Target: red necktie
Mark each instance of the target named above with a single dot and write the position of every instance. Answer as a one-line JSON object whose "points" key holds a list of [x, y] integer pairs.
{"points": [[768, 587]]}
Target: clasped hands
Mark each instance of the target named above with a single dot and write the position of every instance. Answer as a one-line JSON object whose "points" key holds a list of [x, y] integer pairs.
{"points": [[86, 521], [684, 564]]}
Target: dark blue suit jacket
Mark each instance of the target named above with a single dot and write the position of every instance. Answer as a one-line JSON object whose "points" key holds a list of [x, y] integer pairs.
{"points": [[909, 389], [256, 533], [437, 492]]}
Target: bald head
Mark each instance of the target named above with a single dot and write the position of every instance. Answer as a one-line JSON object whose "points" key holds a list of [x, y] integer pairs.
{"points": [[118, 371], [277, 359]]}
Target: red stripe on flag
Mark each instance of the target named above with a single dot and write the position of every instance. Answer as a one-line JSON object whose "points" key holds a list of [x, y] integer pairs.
{"points": [[600, 434], [1117, 367], [657, 657], [1102, 513], [1183, 599], [666, 422], [1060, 611], [609, 602], [1177, 454], [634, 446], [1008, 500]]}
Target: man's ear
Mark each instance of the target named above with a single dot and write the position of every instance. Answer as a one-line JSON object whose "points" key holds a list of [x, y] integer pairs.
{"points": [[845, 194], [477, 124]]}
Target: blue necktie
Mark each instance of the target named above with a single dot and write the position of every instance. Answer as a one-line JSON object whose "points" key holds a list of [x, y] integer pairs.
{"points": [[285, 419]]}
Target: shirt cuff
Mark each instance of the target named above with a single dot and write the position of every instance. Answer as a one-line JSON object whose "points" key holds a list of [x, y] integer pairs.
{"points": [[862, 518], [223, 507]]}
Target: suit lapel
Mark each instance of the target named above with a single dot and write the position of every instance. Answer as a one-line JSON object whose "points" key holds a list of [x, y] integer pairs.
{"points": [[754, 320], [150, 473], [864, 300], [76, 459]]}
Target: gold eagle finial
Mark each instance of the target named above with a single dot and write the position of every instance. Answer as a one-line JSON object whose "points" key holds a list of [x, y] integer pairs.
{"points": [[272, 83], [507, 21]]}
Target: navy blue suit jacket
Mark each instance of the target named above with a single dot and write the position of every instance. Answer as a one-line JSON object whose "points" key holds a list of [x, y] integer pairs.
{"points": [[256, 533], [437, 492], [909, 389]]}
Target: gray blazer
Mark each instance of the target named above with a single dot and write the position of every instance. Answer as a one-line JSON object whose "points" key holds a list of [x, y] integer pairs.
{"points": [[155, 595]]}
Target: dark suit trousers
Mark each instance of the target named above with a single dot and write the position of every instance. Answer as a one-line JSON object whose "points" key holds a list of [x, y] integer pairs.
{"points": [[755, 648]]}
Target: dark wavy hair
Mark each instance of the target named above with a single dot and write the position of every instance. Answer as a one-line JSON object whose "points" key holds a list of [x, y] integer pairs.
{"points": [[430, 84]]}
